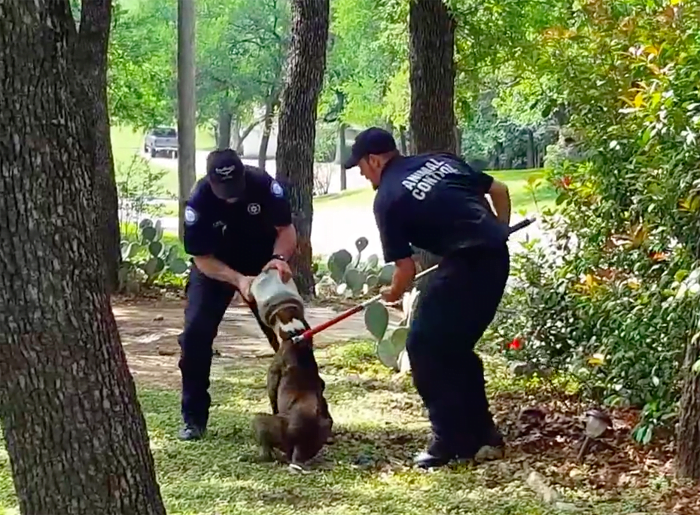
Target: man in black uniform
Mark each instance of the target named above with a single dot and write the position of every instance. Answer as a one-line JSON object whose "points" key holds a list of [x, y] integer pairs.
{"points": [[238, 223], [436, 202]]}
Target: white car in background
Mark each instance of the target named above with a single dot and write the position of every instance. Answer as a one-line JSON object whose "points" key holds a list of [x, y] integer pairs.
{"points": [[161, 139]]}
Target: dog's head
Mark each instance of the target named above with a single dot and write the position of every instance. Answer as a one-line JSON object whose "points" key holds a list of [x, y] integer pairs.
{"points": [[288, 322]]}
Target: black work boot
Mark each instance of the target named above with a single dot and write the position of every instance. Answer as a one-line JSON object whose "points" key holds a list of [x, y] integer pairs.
{"points": [[492, 446], [192, 432], [438, 454]]}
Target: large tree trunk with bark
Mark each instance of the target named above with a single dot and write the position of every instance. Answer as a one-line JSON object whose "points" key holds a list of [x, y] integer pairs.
{"points": [[74, 431], [91, 59], [186, 105], [297, 125], [268, 118], [688, 432], [432, 77]]}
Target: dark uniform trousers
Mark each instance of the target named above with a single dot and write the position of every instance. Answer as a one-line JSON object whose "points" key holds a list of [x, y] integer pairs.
{"points": [[456, 307], [207, 300]]}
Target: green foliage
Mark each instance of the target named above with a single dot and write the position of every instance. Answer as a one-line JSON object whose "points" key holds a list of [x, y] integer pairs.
{"points": [[140, 191], [147, 259]]}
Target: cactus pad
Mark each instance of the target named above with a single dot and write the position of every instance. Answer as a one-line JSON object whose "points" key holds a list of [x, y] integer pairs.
{"points": [[377, 319], [337, 264]]}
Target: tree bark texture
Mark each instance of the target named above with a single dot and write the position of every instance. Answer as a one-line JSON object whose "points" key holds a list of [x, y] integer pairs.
{"points": [[186, 121], [432, 76], [73, 427], [91, 59], [297, 125], [269, 117], [688, 430], [223, 134]]}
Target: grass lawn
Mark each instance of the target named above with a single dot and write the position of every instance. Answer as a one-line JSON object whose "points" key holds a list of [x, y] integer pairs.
{"points": [[515, 179], [379, 424]]}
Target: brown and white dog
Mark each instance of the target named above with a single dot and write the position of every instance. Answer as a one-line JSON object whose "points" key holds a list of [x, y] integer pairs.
{"points": [[300, 423]]}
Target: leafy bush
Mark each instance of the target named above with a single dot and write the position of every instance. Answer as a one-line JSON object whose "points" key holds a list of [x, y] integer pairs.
{"points": [[140, 191]]}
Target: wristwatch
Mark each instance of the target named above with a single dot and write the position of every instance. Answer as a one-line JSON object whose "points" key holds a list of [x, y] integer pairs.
{"points": [[278, 256]]}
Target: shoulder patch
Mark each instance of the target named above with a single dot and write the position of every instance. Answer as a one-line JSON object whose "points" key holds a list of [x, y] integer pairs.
{"points": [[276, 189], [191, 215]]}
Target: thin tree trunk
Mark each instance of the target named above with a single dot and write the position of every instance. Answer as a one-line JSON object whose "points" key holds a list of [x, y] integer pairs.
{"points": [[458, 140], [73, 428], [688, 429], [91, 59], [236, 142], [432, 75], [223, 134], [246, 132], [186, 105], [530, 150], [403, 146], [297, 124], [340, 156], [270, 107]]}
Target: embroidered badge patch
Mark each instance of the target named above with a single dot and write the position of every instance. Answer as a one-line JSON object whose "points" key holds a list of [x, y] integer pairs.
{"points": [[277, 190], [190, 215]]}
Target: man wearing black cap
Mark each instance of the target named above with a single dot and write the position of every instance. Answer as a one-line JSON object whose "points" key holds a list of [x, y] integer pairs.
{"points": [[238, 223], [437, 202]]}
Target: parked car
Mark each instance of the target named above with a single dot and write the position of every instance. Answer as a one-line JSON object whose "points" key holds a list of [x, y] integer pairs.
{"points": [[161, 139]]}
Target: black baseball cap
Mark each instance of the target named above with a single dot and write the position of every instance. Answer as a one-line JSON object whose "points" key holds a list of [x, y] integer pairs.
{"points": [[370, 141], [226, 174]]}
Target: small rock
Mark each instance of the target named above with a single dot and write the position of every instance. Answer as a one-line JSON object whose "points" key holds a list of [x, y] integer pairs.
{"points": [[520, 368], [537, 483], [158, 318], [166, 352], [488, 453]]}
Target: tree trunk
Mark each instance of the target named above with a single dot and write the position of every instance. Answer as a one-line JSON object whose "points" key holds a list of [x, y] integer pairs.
{"points": [[73, 427], [688, 433], [458, 140], [246, 132], [432, 76], [91, 59], [340, 156], [530, 150], [223, 134], [236, 140], [269, 117], [403, 146], [297, 124], [186, 121]]}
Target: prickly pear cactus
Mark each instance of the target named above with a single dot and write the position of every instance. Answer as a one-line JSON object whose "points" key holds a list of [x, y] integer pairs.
{"points": [[338, 263], [387, 355], [386, 274], [377, 319], [354, 279]]}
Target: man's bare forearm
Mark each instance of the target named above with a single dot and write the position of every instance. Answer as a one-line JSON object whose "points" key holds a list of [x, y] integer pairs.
{"points": [[215, 269], [286, 242], [500, 197], [403, 276]]}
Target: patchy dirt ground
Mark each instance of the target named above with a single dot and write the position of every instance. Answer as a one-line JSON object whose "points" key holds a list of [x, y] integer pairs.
{"points": [[149, 331]]}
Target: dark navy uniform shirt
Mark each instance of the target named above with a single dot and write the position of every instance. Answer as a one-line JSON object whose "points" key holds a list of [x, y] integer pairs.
{"points": [[241, 234], [434, 202]]}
